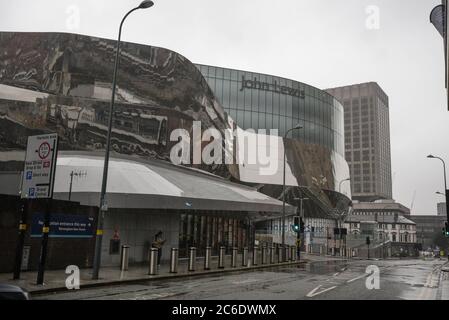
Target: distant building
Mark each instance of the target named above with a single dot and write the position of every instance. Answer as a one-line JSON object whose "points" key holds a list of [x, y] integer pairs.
{"points": [[427, 228], [387, 207], [441, 209], [391, 219], [367, 139]]}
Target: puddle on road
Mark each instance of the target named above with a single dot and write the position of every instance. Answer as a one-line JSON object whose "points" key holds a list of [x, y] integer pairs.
{"points": [[325, 267]]}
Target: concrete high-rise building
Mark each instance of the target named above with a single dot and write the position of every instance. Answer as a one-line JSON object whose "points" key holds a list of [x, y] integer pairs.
{"points": [[367, 139], [441, 209]]}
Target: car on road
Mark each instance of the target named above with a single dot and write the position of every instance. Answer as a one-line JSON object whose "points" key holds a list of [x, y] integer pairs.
{"points": [[12, 292]]}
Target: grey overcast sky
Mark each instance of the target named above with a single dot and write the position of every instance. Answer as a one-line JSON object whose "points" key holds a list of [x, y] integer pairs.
{"points": [[325, 43]]}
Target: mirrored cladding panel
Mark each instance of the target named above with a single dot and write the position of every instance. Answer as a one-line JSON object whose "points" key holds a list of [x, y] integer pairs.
{"points": [[60, 82]]}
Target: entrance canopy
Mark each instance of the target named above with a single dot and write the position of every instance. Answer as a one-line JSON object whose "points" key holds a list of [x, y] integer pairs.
{"points": [[137, 183]]}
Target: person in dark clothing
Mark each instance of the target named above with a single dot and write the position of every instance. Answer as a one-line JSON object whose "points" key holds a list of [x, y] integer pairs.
{"points": [[158, 242]]}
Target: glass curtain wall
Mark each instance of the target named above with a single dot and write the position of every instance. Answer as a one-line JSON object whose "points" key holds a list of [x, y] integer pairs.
{"points": [[259, 101]]}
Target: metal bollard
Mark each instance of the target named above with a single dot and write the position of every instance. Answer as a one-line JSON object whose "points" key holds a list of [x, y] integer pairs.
{"points": [[272, 253], [207, 256], [153, 261], [264, 255], [124, 257], [174, 260], [221, 257], [286, 253], [255, 251], [192, 258], [292, 253], [234, 257], [245, 257]]}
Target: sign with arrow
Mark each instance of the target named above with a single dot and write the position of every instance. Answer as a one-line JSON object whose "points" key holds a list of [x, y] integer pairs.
{"points": [[64, 226]]}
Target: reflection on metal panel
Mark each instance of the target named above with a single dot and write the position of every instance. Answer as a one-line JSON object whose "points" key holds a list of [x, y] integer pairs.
{"points": [[59, 82]]}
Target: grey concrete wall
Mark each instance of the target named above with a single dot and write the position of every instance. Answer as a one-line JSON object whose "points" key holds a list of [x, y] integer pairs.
{"points": [[137, 229]]}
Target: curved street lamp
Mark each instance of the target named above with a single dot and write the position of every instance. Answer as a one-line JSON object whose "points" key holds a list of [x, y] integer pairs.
{"points": [[103, 206], [297, 127], [339, 185], [444, 168], [445, 186]]}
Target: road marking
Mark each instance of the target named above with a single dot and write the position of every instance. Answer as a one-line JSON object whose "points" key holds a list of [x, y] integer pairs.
{"points": [[313, 293], [244, 281], [356, 278], [336, 274]]}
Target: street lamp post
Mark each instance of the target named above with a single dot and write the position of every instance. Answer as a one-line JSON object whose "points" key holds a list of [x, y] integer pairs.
{"points": [[445, 186], [298, 126], [103, 206], [340, 218], [339, 185]]}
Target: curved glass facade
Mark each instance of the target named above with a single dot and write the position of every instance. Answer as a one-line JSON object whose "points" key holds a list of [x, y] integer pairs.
{"points": [[260, 101]]}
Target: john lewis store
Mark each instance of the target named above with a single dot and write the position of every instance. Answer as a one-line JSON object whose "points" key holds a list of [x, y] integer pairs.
{"points": [[66, 89]]}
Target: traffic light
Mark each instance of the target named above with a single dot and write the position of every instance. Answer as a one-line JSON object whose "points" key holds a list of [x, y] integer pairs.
{"points": [[301, 225], [446, 229], [296, 224]]}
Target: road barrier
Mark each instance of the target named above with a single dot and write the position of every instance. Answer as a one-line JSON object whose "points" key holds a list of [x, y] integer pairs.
{"points": [[207, 256], [221, 257], [272, 253], [174, 260], [245, 257], [234, 257], [255, 252], [192, 258], [264, 256], [124, 258], [153, 261]]}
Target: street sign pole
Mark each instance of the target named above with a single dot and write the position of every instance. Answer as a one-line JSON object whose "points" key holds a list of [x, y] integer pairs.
{"points": [[44, 245], [46, 227], [23, 210], [38, 180], [447, 207]]}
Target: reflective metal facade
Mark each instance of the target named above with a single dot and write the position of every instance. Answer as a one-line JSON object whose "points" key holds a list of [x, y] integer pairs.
{"points": [[58, 82]]}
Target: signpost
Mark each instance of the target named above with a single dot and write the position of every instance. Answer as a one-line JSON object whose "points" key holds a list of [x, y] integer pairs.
{"points": [[37, 183], [40, 166]]}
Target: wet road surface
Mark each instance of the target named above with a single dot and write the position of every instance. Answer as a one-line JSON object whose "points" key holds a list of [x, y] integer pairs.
{"points": [[398, 279]]}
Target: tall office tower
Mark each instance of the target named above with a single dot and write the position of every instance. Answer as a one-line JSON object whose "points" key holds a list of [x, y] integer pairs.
{"points": [[367, 139], [441, 208]]}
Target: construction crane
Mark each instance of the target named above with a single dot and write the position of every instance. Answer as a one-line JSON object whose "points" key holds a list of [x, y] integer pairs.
{"points": [[413, 201]]}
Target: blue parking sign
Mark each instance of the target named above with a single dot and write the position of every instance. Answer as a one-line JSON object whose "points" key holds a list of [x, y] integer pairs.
{"points": [[31, 192], [29, 175]]}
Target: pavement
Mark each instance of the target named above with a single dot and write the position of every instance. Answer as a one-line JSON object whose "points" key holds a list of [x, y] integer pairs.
{"points": [[55, 280], [318, 279]]}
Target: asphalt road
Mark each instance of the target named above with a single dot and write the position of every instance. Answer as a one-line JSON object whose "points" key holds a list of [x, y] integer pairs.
{"points": [[398, 279]]}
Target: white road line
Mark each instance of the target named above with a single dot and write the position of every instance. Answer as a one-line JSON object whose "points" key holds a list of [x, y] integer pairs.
{"points": [[314, 292], [356, 278]]}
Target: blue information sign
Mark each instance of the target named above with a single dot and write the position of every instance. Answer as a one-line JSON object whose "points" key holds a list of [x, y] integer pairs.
{"points": [[64, 226]]}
